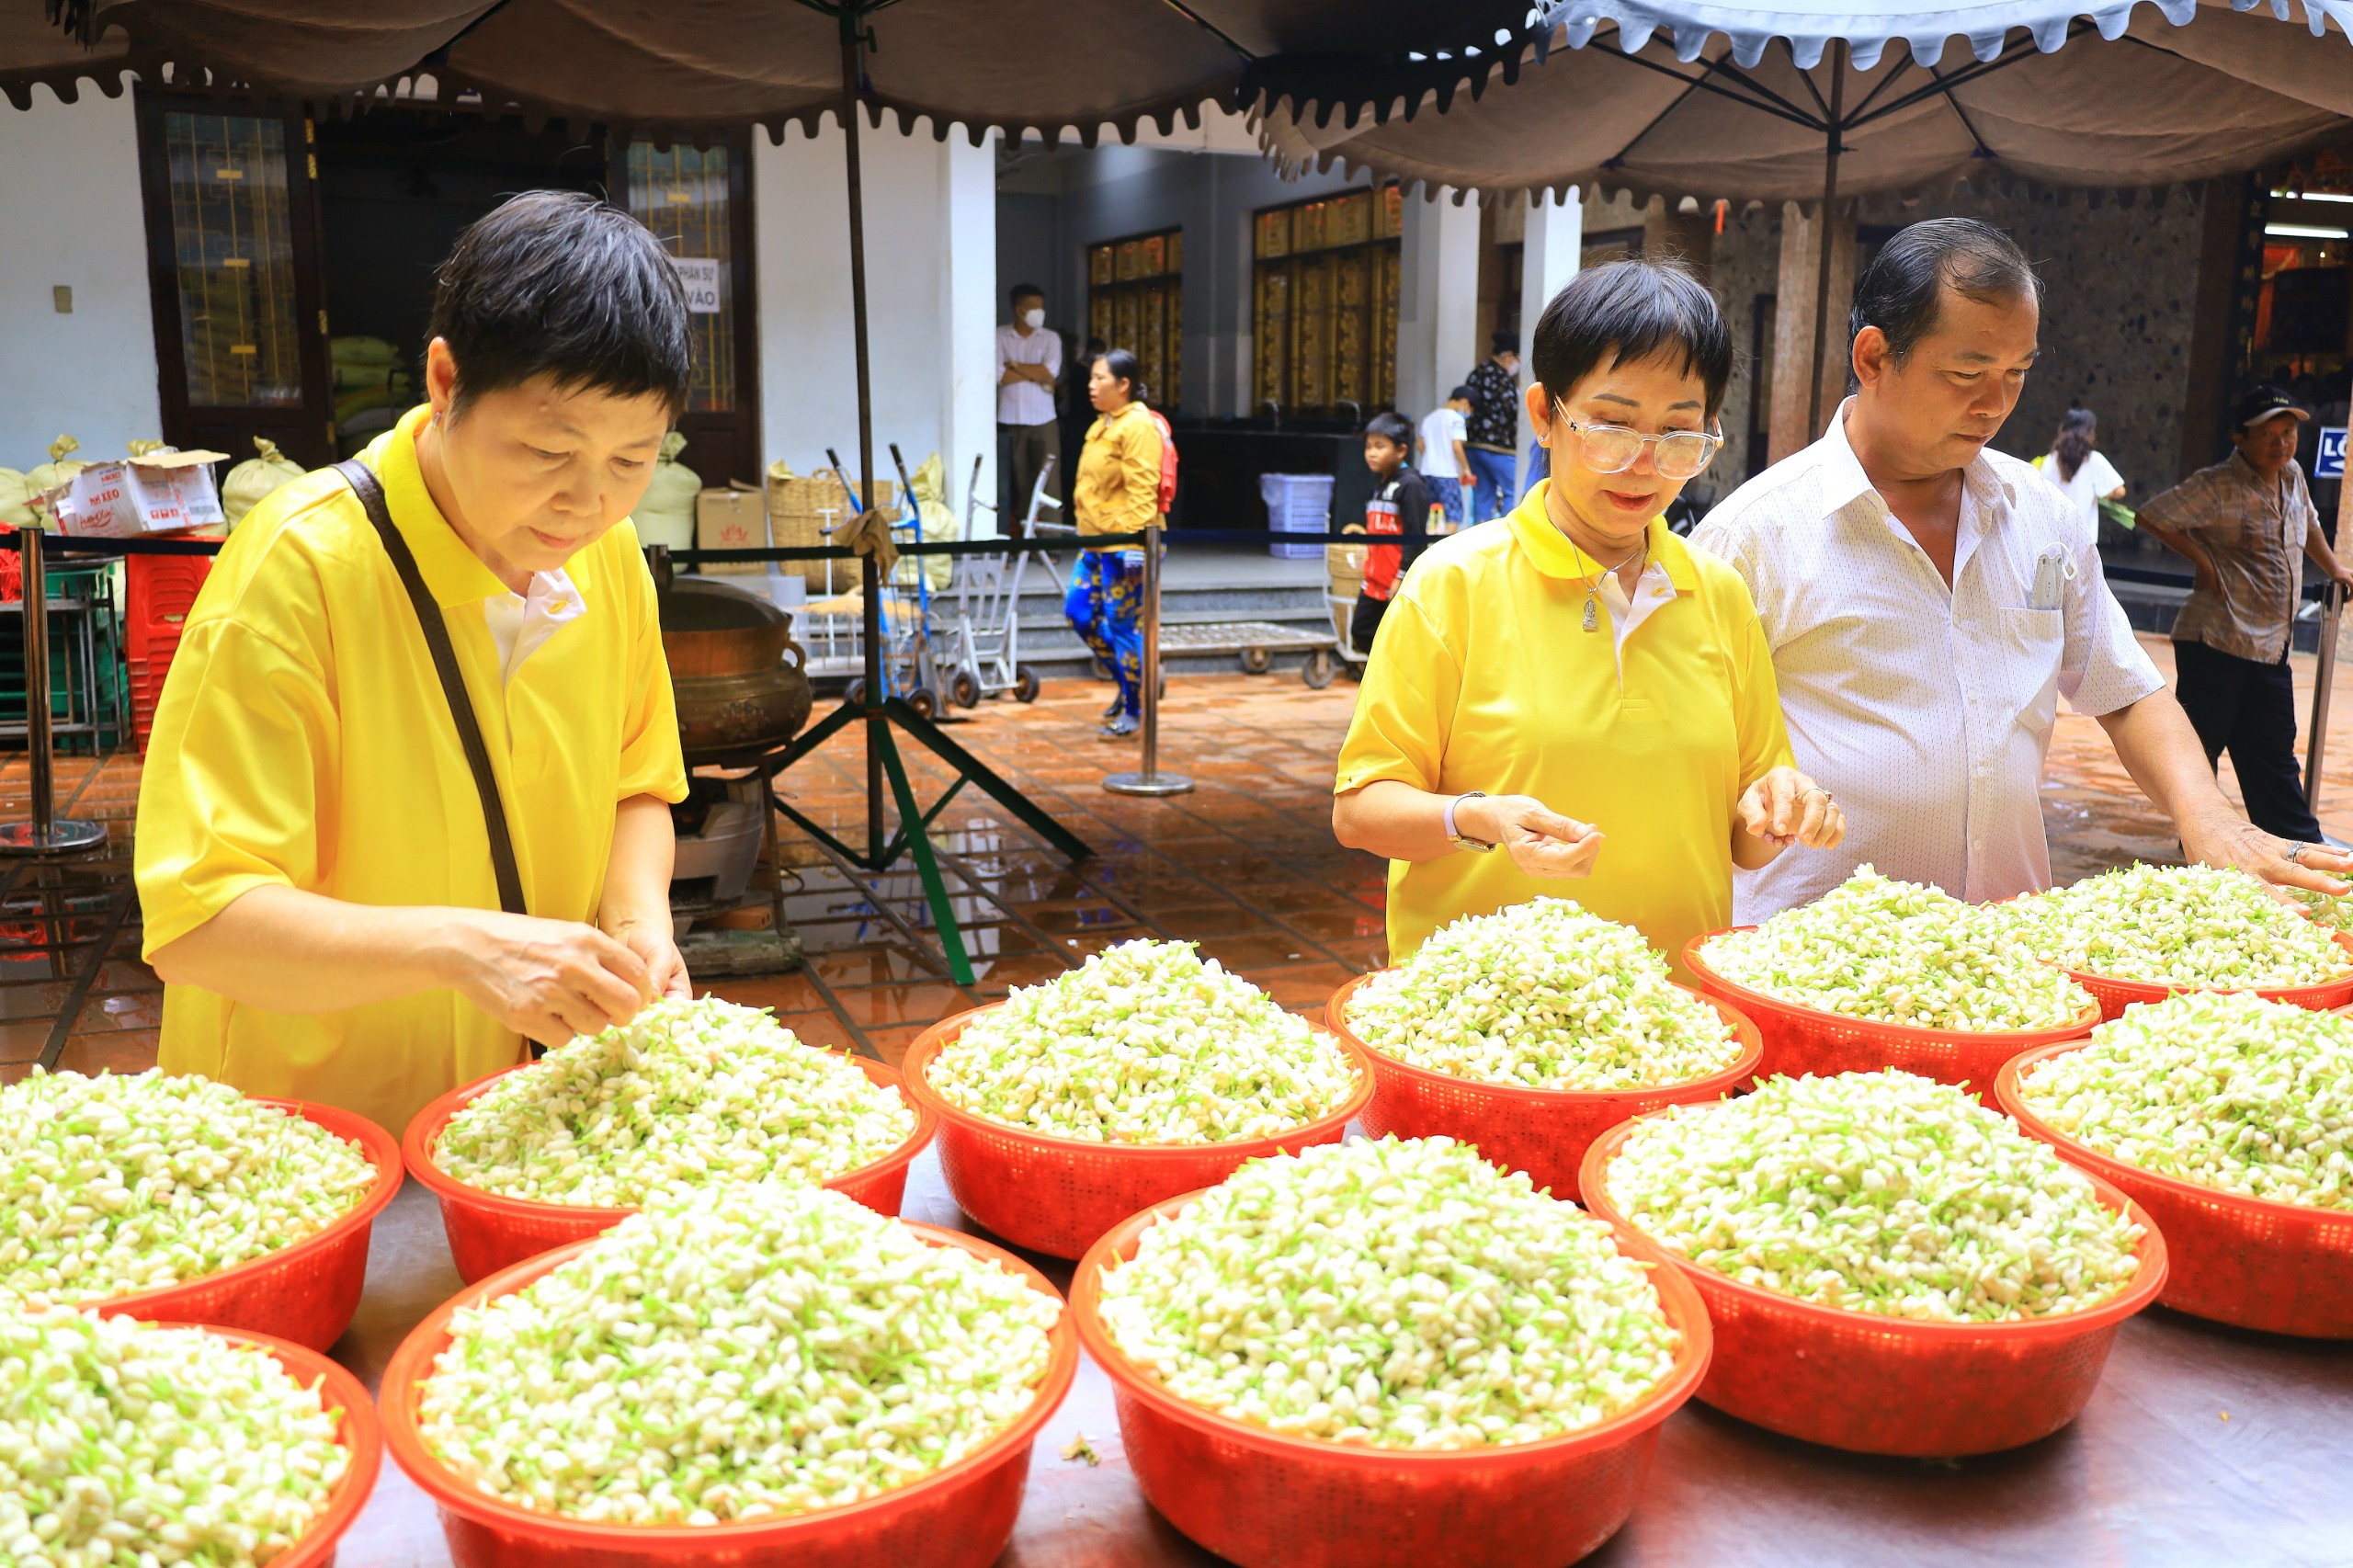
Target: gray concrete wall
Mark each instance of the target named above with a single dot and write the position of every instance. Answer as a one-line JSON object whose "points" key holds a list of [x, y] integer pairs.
{"points": [[2120, 294]]}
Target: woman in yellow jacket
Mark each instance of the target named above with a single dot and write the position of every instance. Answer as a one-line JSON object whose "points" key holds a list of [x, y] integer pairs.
{"points": [[1118, 491], [343, 905], [1570, 691]]}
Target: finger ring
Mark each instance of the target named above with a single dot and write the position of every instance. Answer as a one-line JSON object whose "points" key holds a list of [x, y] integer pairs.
{"points": [[1816, 790], [2296, 852]]}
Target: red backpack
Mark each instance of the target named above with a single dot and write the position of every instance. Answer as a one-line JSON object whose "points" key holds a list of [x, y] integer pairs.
{"points": [[1167, 458]]}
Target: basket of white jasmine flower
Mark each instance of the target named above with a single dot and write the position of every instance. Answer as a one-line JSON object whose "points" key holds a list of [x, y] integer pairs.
{"points": [[1145, 1073], [176, 1198], [753, 1374], [1387, 1354], [1891, 1267], [125, 1442], [1882, 973], [1530, 1032], [2144, 932], [684, 1097], [2230, 1120]]}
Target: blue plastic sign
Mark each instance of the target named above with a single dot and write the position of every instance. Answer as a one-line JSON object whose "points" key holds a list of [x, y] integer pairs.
{"points": [[2330, 461]]}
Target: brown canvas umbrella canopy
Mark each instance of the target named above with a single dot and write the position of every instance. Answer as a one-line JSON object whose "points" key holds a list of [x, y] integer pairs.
{"points": [[676, 67], [1808, 103]]}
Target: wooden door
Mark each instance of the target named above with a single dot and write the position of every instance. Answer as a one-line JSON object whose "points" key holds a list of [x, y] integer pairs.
{"points": [[698, 201], [232, 265]]}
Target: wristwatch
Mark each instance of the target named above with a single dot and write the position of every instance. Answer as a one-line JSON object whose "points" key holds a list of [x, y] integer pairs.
{"points": [[1456, 838]]}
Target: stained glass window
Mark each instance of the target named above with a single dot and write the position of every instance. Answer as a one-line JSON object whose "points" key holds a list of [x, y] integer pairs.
{"points": [[681, 194], [233, 251]]}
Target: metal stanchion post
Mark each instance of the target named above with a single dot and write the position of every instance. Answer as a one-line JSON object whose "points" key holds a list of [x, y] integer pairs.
{"points": [[1150, 781], [44, 835], [2324, 677]]}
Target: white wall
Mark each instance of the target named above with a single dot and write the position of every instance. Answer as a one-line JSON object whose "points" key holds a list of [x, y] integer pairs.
{"points": [[930, 284], [69, 184], [1438, 306]]}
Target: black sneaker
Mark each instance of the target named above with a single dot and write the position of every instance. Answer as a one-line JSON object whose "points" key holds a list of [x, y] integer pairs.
{"points": [[1122, 726], [1118, 706]]}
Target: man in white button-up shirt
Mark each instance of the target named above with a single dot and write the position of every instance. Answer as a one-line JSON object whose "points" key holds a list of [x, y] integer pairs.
{"points": [[1929, 601]]}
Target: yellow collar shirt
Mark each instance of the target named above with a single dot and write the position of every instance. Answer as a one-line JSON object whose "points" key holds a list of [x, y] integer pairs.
{"points": [[303, 740], [1484, 677], [1117, 491]]}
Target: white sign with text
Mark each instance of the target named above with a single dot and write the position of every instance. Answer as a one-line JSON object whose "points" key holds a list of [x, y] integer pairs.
{"points": [[700, 275]]}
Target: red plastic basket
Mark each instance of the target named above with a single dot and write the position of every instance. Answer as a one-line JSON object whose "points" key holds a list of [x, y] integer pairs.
{"points": [[357, 1430], [306, 1293], [1884, 1385], [2115, 995], [1542, 1132], [960, 1516], [1267, 1500], [2250, 1262], [1800, 1040], [489, 1230], [1057, 1195]]}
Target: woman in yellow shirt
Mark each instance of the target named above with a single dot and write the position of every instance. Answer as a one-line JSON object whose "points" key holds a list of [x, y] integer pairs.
{"points": [[1570, 691], [1118, 491], [319, 863]]}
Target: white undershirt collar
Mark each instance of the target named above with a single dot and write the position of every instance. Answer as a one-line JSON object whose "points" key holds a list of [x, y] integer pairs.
{"points": [[1652, 589], [521, 624]]}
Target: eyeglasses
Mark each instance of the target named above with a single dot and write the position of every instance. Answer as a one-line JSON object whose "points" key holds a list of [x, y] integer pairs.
{"points": [[1613, 448]]}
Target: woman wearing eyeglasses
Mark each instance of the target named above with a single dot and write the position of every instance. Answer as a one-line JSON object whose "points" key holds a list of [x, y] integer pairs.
{"points": [[1571, 691]]}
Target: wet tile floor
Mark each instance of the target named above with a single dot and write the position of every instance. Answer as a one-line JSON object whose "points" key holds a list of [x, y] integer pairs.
{"points": [[1245, 865]]}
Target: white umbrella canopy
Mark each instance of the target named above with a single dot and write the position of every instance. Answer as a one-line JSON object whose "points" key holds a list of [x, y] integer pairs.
{"points": [[1740, 101]]}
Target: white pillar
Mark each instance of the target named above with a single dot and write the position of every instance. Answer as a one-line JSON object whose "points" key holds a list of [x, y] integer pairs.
{"points": [[930, 265], [1438, 307], [1547, 260], [968, 414]]}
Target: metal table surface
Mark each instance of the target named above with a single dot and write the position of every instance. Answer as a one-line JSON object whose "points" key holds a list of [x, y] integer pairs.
{"points": [[2203, 1446]]}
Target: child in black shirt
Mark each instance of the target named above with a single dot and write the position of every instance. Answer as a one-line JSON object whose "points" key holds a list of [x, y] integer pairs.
{"points": [[1400, 505]]}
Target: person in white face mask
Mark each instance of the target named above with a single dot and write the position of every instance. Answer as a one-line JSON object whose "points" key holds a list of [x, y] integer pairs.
{"points": [[1028, 363]]}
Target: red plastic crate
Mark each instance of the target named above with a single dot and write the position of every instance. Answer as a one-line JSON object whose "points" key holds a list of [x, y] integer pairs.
{"points": [[158, 593]]}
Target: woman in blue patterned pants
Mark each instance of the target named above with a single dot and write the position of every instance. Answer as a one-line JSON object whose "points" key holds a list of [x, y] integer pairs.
{"points": [[1117, 492]]}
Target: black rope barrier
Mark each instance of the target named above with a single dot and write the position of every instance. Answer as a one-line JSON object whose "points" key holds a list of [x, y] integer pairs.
{"points": [[1176, 538]]}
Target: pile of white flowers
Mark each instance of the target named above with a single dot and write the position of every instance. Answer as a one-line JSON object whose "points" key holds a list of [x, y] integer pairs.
{"points": [[2332, 912], [2223, 1089], [1900, 953], [2189, 926], [759, 1352], [1145, 1043], [1397, 1294], [1875, 1192], [117, 1185], [684, 1096], [1543, 995], [127, 1446]]}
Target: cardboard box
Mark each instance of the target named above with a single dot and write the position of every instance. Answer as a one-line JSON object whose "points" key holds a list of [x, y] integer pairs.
{"points": [[160, 494], [732, 519]]}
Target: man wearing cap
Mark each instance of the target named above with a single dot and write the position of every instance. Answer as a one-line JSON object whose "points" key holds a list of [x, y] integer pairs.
{"points": [[2246, 525]]}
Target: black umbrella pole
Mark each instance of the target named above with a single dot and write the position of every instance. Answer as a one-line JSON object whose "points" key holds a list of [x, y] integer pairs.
{"points": [[870, 575], [1822, 242]]}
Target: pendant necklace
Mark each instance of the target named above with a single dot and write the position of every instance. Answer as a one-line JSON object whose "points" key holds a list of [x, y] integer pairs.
{"points": [[1592, 622]]}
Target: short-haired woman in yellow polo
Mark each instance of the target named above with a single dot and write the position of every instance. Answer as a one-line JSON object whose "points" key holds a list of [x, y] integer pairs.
{"points": [[1570, 691], [407, 799]]}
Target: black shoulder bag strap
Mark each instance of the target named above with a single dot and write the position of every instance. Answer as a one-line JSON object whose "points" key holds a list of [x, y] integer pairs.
{"points": [[364, 484]]}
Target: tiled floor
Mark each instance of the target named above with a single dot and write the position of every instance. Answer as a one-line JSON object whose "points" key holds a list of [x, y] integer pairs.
{"points": [[1245, 865]]}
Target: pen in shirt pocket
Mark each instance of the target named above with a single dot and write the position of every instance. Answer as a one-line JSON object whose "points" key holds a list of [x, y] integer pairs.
{"points": [[2051, 572]]}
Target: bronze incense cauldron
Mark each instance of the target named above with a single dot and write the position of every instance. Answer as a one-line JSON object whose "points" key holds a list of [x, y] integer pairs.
{"points": [[734, 668]]}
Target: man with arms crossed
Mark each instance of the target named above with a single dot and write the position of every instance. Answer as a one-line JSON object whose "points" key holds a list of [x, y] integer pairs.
{"points": [[1929, 601]]}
